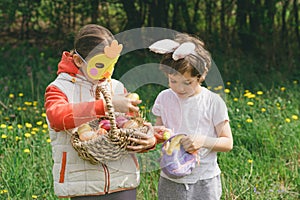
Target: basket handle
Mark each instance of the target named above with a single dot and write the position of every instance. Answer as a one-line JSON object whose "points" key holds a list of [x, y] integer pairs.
{"points": [[110, 109]]}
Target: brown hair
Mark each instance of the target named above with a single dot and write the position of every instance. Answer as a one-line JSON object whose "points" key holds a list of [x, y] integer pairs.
{"points": [[198, 65], [92, 39]]}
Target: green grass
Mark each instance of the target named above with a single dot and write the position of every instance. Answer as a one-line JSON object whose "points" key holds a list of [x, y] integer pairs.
{"points": [[264, 163]]}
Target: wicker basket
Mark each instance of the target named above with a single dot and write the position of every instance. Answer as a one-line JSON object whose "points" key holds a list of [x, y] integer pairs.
{"points": [[111, 146]]}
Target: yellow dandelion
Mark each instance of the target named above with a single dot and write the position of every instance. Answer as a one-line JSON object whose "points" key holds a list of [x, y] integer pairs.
{"points": [[24, 108], [228, 83], [44, 131], [35, 129], [39, 123], [251, 96], [17, 138], [295, 117], [19, 126], [218, 88], [11, 96], [288, 120], [35, 103], [227, 91], [19, 108], [21, 94], [235, 99], [249, 120], [239, 126], [26, 151], [33, 132], [10, 127], [250, 103], [34, 196], [3, 191], [263, 110], [282, 89], [3, 125], [28, 125], [250, 161], [48, 140], [295, 82], [143, 107], [45, 126], [247, 94], [3, 136], [44, 115], [259, 92], [27, 103], [27, 135]]}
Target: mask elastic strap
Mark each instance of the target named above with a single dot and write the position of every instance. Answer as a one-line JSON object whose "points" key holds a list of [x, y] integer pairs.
{"points": [[80, 56]]}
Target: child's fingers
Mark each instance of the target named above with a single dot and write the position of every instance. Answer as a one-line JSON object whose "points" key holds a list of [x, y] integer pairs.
{"points": [[141, 135], [135, 102]]}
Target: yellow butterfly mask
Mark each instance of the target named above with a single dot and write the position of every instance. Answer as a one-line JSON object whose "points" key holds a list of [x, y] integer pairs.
{"points": [[102, 65]]}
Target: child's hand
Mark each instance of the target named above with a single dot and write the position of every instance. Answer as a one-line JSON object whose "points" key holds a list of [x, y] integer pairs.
{"points": [[124, 105], [192, 143], [145, 141], [162, 133]]}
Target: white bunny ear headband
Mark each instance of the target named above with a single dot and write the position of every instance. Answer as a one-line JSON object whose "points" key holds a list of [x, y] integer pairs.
{"points": [[179, 50], [168, 46]]}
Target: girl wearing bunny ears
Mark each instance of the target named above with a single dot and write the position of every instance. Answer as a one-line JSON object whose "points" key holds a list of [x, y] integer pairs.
{"points": [[190, 109]]}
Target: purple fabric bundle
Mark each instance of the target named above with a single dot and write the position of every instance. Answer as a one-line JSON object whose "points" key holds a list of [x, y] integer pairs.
{"points": [[175, 161]]}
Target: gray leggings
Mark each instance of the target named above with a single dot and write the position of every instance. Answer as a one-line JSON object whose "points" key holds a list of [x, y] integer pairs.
{"points": [[127, 194], [209, 189]]}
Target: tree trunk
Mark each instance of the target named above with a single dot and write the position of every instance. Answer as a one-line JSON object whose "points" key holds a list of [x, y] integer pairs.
{"points": [[241, 20], [222, 20], [94, 11], [158, 14], [196, 17], [176, 16], [133, 15], [283, 22], [186, 16], [254, 34], [295, 8], [208, 17]]}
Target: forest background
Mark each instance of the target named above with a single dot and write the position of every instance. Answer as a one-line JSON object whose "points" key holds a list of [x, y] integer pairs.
{"points": [[254, 43], [253, 40]]}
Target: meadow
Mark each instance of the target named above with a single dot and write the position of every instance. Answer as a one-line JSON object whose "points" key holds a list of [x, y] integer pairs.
{"points": [[264, 163]]}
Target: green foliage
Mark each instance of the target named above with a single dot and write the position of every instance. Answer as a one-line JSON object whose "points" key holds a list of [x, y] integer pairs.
{"points": [[27, 69]]}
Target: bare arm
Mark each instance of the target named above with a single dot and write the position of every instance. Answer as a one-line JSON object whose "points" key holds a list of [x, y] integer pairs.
{"points": [[223, 143]]}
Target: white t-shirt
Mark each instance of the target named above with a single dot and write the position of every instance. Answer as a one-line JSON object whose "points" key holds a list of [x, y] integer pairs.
{"points": [[198, 114]]}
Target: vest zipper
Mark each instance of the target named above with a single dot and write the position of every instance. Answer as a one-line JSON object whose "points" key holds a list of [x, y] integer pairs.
{"points": [[107, 181]]}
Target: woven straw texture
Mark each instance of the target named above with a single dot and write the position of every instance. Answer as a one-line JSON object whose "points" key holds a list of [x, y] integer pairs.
{"points": [[111, 146]]}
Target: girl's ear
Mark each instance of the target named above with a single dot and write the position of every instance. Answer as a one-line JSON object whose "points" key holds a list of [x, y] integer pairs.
{"points": [[200, 78], [77, 60]]}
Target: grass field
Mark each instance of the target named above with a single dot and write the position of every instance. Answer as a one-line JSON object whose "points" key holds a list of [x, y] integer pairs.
{"points": [[264, 163]]}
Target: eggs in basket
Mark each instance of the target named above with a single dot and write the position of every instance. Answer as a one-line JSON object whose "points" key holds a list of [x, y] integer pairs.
{"points": [[91, 130]]}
